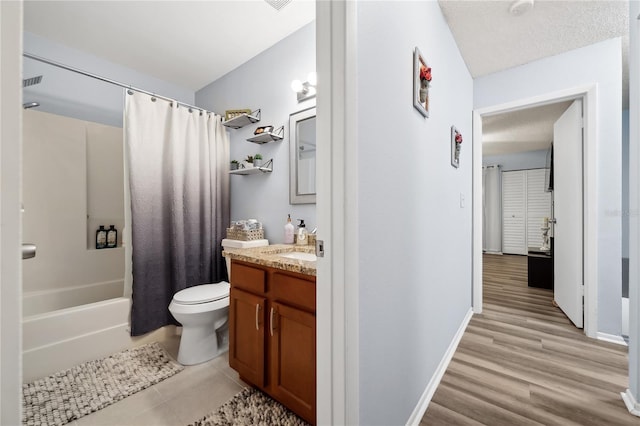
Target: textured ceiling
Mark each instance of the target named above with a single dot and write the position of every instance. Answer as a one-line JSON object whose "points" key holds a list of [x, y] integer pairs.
{"points": [[188, 43], [491, 39], [523, 130]]}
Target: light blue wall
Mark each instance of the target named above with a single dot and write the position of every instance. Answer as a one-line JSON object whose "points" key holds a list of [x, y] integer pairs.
{"points": [[599, 64], [265, 82], [414, 239], [518, 161], [73, 95]]}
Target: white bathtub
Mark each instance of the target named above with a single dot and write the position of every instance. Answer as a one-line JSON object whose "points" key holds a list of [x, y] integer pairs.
{"points": [[40, 302], [58, 340]]}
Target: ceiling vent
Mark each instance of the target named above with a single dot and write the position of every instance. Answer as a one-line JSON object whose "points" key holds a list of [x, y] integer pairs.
{"points": [[31, 81], [278, 4]]}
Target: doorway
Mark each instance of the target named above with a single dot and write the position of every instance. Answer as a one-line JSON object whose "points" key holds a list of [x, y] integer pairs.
{"points": [[589, 271]]}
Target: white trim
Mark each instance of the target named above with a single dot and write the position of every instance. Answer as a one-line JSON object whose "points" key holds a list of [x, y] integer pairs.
{"points": [[11, 14], [337, 212], [630, 402], [430, 390], [589, 95], [611, 338]]}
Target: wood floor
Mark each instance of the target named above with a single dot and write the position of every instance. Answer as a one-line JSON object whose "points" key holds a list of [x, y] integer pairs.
{"points": [[522, 362]]}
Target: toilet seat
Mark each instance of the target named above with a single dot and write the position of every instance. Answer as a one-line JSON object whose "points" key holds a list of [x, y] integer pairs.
{"points": [[203, 293]]}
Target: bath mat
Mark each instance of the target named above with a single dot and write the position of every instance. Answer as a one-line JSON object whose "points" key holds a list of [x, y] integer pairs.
{"points": [[251, 407], [68, 395]]}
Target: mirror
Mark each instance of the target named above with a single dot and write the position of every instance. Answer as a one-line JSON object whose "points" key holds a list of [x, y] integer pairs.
{"points": [[302, 157]]}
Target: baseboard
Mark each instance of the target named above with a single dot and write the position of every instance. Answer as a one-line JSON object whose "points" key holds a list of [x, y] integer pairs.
{"points": [[425, 399], [611, 338], [630, 402]]}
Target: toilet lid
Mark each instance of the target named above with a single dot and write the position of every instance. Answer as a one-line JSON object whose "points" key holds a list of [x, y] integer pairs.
{"points": [[202, 293]]}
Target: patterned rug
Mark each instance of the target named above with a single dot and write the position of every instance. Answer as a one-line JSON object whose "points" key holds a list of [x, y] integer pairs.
{"points": [[251, 407], [68, 395]]}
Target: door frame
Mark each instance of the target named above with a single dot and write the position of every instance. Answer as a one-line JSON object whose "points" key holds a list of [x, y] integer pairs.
{"points": [[10, 197], [588, 94]]}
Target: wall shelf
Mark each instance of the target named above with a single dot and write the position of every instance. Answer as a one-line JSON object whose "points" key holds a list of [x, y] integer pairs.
{"points": [[267, 168], [266, 137], [243, 120]]}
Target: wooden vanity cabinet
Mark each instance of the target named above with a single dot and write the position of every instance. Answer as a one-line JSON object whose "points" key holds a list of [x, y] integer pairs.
{"points": [[272, 334]]}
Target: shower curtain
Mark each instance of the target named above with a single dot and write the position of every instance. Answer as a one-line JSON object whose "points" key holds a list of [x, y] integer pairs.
{"points": [[179, 188], [492, 209]]}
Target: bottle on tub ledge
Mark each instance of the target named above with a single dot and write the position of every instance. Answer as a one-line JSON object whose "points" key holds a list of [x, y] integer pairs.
{"points": [[112, 237], [101, 238]]}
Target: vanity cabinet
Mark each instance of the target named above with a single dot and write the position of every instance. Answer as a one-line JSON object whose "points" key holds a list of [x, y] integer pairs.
{"points": [[272, 334]]}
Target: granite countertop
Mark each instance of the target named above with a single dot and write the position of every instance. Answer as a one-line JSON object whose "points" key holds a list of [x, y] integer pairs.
{"points": [[269, 256]]}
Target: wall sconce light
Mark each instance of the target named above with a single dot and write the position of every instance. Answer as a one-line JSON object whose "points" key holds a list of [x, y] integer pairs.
{"points": [[306, 90]]}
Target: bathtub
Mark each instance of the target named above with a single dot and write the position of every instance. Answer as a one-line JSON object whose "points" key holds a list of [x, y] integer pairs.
{"points": [[39, 302], [60, 339]]}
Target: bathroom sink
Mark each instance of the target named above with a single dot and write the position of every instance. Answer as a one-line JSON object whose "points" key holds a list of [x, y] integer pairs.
{"points": [[299, 256]]}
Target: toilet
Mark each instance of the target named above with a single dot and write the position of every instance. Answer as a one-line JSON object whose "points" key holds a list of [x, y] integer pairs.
{"points": [[203, 312]]}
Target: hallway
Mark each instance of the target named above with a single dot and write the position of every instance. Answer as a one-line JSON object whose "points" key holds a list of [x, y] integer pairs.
{"points": [[521, 362]]}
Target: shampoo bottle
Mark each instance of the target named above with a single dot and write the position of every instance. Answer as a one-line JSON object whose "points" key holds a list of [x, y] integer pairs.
{"points": [[101, 238], [288, 231], [112, 237]]}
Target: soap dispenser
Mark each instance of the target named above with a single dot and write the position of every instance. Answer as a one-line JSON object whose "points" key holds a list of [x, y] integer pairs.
{"points": [[288, 231], [302, 234]]}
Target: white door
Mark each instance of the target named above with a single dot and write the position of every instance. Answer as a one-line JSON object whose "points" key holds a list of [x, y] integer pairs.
{"points": [[567, 197], [513, 213]]}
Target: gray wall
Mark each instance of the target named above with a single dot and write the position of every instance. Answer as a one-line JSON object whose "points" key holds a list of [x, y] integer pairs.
{"points": [[72, 95], [414, 238], [265, 82], [518, 161], [601, 64]]}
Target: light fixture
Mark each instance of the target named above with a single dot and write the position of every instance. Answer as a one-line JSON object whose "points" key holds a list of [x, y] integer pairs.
{"points": [[520, 7], [306, 90]]}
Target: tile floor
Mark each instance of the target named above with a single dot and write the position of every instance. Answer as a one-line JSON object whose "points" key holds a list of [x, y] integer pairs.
{"points": [[177, 401]]}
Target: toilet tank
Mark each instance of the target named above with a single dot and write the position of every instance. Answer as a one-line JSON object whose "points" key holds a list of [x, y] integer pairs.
{"points": [[227, 243]]}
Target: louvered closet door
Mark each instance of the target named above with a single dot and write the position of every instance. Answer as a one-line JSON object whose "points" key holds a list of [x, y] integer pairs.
{"points": [[538, 206], [513, 213]]}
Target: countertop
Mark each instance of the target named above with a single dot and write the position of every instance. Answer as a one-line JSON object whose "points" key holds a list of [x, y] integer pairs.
{"points": [[269, 256]]}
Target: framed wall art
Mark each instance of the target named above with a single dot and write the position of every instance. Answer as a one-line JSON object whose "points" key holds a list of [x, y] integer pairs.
{"points": [[456, 146], [421, 83]]}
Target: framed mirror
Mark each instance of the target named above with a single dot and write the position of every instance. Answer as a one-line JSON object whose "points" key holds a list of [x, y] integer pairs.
{"points": [[302, 157]]}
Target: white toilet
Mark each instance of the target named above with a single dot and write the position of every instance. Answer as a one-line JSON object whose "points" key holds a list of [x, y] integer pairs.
{"points": [[203, 311]]}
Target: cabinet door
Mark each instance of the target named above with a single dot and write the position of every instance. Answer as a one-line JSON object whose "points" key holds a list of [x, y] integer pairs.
{"points": [[247, 335], [292, 334]]}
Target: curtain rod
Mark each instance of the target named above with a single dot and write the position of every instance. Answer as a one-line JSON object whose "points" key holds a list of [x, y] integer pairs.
{"points": [[108, 80]]}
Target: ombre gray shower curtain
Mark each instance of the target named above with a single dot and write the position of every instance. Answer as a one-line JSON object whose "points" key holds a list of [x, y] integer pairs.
{"points": [[177, 162]]}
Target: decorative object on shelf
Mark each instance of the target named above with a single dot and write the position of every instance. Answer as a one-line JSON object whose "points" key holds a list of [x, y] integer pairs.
{"points": [[234, 113], [257, 160], [240, 120], [306, 90], [248, 162], [268, 135], [456, 145], [242, 170], [421, 83], [263, 129], [233, 165]]}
